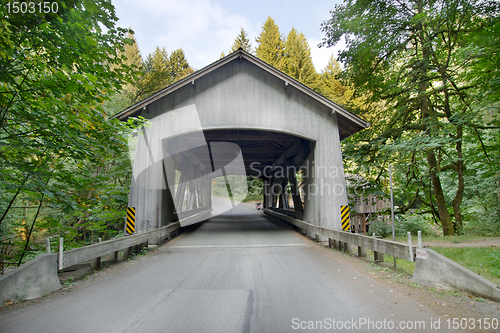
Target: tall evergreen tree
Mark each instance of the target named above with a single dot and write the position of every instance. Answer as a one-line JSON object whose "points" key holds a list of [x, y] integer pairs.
{"points": [[297, 59], [332, 87], [156, 74], [132, 63], [132, 52], [270, 45], [179, 65], [242, 41]]}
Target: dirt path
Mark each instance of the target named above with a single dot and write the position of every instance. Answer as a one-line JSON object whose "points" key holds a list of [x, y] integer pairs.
{"points": [[485, 242]]}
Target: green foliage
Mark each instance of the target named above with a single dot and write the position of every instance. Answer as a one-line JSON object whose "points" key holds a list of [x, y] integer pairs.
{"points": [[271, 46], [179, 66], [414, 223], [242, 42], [252, 186], [58, 147], [332, 87], [380, 228], [418, 63], [255, 187], [297, 59], [403, 224], [159, 70]]}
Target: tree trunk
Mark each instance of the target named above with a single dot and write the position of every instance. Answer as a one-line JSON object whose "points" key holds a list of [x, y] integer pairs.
{"points": [[444, 215], [457, 201], [427, 112]]}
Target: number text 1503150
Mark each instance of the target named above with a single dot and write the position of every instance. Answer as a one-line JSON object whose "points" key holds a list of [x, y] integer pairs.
{"points": [[32, 7]]}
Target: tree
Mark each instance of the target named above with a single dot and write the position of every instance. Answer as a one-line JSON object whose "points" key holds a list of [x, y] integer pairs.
{"points": [[156, 74], [270, 45], [132, 63], [242, 42], [407, 56], [297, 61], [56, 71], [333, 88], [179, 65], [131, 51], [160, 70]]}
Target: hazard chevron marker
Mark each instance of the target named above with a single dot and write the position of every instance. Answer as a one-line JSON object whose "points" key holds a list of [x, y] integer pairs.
{"points": [[131, 220], [344, 217]]}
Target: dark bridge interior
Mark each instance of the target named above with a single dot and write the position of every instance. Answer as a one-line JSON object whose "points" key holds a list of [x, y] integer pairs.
{"points": [[263, 147]]}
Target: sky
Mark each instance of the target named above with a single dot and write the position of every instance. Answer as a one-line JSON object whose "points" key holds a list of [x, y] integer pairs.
{"points": [[206, 28]]}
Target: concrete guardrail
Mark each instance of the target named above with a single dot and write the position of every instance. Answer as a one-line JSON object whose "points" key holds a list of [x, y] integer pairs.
{"points": [[432, 269], [38, 276], [112, 246], [344, 240]]}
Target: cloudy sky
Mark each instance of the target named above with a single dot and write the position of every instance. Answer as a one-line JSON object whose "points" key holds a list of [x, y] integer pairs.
{"points": [[205, 28]]}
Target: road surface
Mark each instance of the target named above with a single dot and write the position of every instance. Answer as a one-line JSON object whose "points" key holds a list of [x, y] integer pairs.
{"points": [[237, 272]]}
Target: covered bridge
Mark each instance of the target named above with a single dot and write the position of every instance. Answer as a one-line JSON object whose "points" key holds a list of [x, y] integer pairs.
{"points": [[239, 116]]}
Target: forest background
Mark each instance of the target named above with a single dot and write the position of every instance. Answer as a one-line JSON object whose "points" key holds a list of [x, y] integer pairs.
{"points": [[425, 74]]}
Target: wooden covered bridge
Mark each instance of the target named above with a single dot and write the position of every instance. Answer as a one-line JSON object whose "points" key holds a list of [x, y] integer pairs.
{"points": [[238, 116]]}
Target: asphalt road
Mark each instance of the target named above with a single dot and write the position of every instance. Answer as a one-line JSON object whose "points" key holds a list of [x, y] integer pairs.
{"points": [[237, 272]]}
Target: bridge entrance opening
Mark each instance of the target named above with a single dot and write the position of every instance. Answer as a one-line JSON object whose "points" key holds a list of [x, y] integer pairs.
{"points": [[230, 163]]}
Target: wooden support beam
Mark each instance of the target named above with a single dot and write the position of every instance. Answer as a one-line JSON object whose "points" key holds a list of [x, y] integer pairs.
{"points": [[181, 187], [274, 197], [297, 203], [298, 152], [244, 150], [283, 184], [248, 137]]}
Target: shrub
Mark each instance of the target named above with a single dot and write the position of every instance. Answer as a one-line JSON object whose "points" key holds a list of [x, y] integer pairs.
{"points": [[380, 228], [414, 223]]}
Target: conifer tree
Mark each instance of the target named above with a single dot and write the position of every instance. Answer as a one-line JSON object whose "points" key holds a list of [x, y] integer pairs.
{"points": [[332, 87], [156, 74], [242, 41], [132, 52], [297, 60], [336, 90], [270, 44], [179, 65], [133, 59]]}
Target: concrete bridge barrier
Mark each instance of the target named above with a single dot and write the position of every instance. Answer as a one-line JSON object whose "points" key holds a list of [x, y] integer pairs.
{"points": [[39, 276], [344, 240], [435, 270], [431, 268], [30, 280]]}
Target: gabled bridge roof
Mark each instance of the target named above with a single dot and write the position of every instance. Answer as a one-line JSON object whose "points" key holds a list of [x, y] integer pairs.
{"points": [[348, 122]]}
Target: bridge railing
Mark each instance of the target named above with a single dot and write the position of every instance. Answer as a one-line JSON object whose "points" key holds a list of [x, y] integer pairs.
{"points": [[343, 240], [111, 247]]}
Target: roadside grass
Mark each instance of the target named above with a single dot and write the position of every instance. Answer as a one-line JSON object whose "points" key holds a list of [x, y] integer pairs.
{"points": [[484, 261], [402, 266]]}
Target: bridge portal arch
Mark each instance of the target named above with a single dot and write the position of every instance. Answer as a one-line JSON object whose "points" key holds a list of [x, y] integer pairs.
{"points": [[270, 124]]}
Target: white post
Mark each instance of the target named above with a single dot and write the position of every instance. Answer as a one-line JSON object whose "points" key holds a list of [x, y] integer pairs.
{"points": [[409, 243], [419, 239], [61, 253], [392, 211], [47, 245]]}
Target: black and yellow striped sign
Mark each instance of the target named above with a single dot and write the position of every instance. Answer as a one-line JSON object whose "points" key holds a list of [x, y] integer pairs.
{"points": [[344, 217], [131, 220]]}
